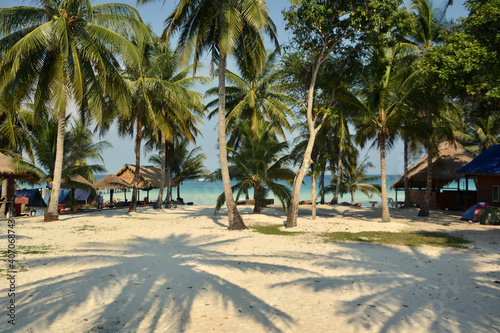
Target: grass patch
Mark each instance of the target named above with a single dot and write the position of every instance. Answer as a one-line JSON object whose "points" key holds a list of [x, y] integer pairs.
{"points": [[398, 238], [273, 230], [86, 227], [136, 218], [32, 249]]}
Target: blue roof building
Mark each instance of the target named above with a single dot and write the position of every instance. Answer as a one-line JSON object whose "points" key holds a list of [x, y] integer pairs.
{"points": [[485, 168]]}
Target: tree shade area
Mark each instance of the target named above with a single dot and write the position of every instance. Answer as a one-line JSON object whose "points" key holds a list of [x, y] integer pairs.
{"points": [[354, 74]]}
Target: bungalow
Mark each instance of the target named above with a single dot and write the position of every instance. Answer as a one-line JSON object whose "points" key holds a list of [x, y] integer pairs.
{"points": [[485, 169]]}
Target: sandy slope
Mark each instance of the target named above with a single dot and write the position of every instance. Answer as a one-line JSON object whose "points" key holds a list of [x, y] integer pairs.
{"points": [[181, 270]]}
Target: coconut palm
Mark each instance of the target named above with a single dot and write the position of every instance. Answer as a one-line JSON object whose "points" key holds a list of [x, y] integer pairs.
{"points": [[430, 22], [79, 151], [259, 164], [157, 103], [383, 87], [354, 179], [169, 95], [480, 135], [223, 27], [62, 51], [256, 95]]}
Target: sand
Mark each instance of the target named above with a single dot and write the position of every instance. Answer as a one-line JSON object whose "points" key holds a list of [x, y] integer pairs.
{"points": [[182, 270]]}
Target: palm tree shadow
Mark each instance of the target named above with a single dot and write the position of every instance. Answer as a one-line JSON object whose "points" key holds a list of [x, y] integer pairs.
{"points": [[144, 285], [414, 289]]}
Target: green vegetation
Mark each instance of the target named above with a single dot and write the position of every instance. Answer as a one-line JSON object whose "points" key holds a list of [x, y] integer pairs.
{"points": [[398, 238], [32, 249], [85, 227], [273, 230]]}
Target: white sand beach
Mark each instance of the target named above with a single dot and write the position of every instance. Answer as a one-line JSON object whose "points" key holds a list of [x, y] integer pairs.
{"points": [[182, 270]]}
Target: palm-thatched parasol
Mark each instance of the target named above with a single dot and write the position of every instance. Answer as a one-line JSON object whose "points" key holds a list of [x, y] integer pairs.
{"points": [[7, 171], [77, 181], [112, 182], [451, 157]]}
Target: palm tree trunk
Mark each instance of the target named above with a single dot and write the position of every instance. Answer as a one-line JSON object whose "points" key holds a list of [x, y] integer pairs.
{"points": [[405, 177], [159, 201], [352, 198], [256, 197], [386, 217], [5, 183], [424, 209], [169, 161], [339, 176], [322, 186], [234, 218], [52, 212], [135, 182], [313, 201]]}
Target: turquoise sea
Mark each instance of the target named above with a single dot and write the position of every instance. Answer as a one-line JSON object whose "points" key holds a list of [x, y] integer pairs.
{"points": [[206, 193]]}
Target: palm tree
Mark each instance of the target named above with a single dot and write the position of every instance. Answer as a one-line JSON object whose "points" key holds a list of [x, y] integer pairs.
{"points": [[223, 27], [64, 51], [79, 150], [157, 102], [480, 135], [188, 164], [427, 32], [354, 179], [259, 164], [256, 95], [170, 100], [379, 102]]}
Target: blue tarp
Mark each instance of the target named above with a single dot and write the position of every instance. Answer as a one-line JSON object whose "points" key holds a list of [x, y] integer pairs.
{"points": [[62, 195], [34, 196]]}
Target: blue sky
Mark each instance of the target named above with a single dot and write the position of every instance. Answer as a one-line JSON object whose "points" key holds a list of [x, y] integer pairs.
{"points": [[155, 13]]}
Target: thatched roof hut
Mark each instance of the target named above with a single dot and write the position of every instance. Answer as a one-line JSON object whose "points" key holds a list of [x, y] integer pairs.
{"points": [[77, 182], [451, 157], [7, 169], [150, 176], [112, 182]]}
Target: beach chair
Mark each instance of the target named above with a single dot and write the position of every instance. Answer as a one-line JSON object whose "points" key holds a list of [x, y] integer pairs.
{"points": [[392, 203]]}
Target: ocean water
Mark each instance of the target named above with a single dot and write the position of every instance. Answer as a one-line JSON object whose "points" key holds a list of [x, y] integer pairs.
{"points": [[206, 193]]}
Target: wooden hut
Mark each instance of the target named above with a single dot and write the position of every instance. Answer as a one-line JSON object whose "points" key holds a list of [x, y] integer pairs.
{"points": [[485, 170], [451, 156]]}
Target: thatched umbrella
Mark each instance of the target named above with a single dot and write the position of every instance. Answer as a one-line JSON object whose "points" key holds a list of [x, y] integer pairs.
{"points": [[112, 183], [76, 182], [7, 171], [149, 177]]}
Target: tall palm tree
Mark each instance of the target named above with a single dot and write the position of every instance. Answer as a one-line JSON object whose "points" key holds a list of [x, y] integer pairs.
{"points": [[62, 51], [384, 85], [430, 22], [480, 135], [223, 27], [156, 101], [259, 164], [258, 94]]}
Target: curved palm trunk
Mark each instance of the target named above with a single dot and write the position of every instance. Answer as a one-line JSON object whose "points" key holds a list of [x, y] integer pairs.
{"points": [[386, 217], [52, 212], [352, 198], [408, 202], [313, 201], [135, 182], [234, 218], [159, 201], [339, 176], [169, 161]]}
